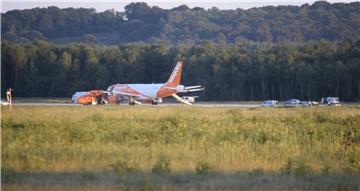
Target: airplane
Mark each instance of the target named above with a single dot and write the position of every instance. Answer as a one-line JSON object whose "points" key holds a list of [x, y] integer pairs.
{"points": [[155, 92]]}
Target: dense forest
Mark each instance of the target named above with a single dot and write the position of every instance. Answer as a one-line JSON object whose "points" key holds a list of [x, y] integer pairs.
{"points": [[182, 25], [245, 71], [282, 52]]}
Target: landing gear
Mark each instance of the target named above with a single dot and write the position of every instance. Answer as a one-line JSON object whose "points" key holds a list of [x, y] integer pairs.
{"points": [[104, 101], [131, 101], [154, 102]]}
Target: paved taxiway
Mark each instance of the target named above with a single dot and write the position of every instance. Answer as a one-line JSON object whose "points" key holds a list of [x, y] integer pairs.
{"points": [[198, 104]]}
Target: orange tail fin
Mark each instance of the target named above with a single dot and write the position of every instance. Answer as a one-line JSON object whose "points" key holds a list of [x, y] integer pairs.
{"points": [[175, 77]]}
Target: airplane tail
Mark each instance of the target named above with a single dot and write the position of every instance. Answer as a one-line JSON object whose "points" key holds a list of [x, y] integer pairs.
{"points": [[175, 77]]}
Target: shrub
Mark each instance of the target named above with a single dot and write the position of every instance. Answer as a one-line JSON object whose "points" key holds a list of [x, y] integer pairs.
{"points": [[286, 170], [7, 175], [121, 166], [322, 117], [236, 115], [88, 176], [302, 169], [351, 161], [162, 166], [203, 168], [257, 172], [325, 170]]}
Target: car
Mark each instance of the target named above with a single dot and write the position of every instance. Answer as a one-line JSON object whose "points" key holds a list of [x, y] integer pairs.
{"points": [[309, 103], [269, 103], [293, 103], [190, 99], [314, 103], [306, 103], [331, 101]]}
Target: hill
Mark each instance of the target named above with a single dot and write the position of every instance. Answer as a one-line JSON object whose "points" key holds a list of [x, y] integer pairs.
{"points": [[182, 25]]}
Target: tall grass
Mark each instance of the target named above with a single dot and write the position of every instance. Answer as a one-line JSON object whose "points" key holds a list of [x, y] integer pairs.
{"points": [[324, 140]]}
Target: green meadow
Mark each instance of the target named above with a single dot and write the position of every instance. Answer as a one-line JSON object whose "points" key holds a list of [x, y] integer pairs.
{"points": [[180, 148]]}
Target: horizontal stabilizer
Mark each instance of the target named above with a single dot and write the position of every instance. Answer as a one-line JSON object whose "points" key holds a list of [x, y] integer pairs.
{"points": [[191, 87], [195, 90]]}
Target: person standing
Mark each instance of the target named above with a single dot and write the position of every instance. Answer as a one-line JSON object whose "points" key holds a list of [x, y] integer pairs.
{"points": [[9, 96]]}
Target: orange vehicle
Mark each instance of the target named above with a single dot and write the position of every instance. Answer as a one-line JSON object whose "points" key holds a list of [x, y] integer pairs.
{"points": [[112, 99], [87, 100], [92, 98]]}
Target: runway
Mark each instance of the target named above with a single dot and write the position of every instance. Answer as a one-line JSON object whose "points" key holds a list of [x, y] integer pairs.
{"points": [[252, 104], [197, 104]]}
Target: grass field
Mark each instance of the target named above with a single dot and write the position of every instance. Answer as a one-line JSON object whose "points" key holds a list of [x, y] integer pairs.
{"points": [[180, 148]]}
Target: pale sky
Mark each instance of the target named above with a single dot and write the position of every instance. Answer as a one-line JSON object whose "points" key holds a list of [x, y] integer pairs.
{"points": [[119, 5]]}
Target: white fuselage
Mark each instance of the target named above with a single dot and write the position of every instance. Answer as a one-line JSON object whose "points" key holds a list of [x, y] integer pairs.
{"points": [[140, 91], [148, 90]]}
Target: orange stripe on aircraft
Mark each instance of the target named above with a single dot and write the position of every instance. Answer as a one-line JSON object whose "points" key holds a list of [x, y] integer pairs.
{"points": [[165, 92], [175, 77], [170, 86]]}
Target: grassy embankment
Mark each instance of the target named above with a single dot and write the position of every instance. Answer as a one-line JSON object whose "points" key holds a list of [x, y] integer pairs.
{"points": [[145, 147]]}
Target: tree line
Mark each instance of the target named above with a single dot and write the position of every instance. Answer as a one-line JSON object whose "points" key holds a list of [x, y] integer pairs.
{"points": [[182, 25], [242, 71]]}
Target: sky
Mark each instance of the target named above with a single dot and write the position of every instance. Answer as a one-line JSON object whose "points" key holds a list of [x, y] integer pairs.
{"points": [[119, 5]]}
